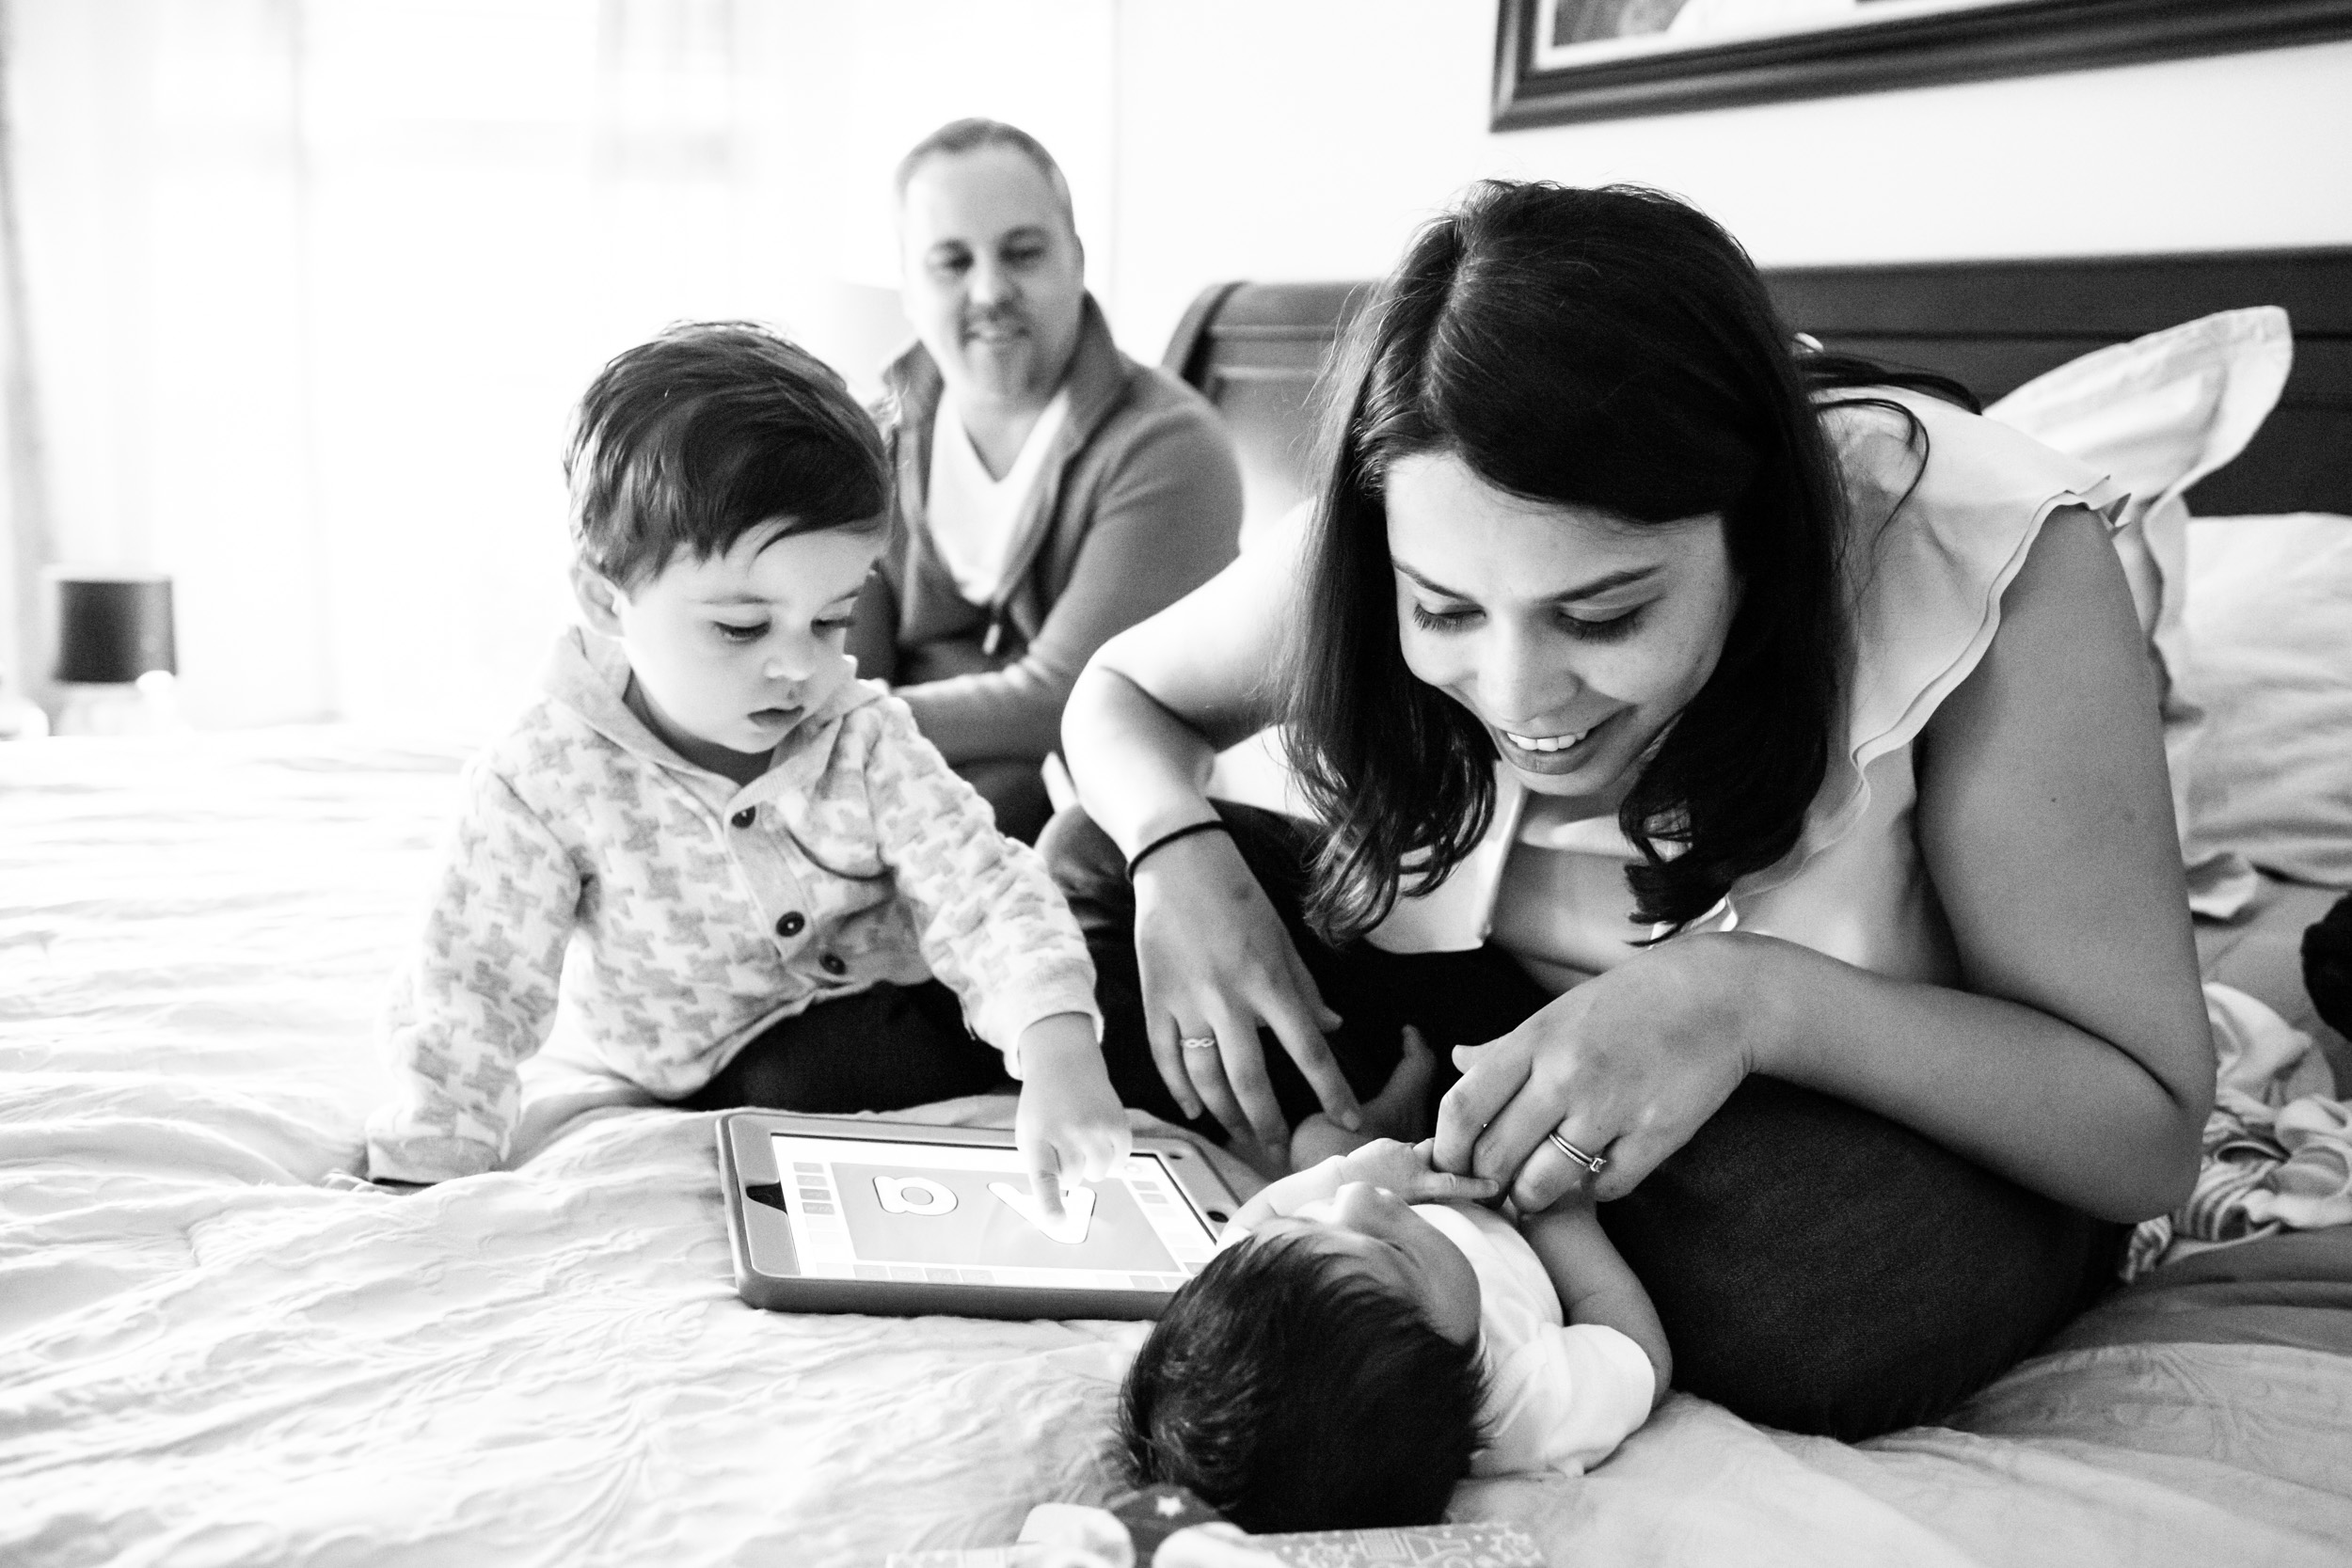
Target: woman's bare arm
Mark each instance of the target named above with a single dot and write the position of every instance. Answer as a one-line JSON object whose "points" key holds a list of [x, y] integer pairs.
{"points": [[1159, 700], [2078, 1059], [2074, 1058], [1144, 724]]}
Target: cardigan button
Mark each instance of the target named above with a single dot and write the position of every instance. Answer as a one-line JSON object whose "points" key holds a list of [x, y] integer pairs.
{"points": [[830, 963], [745, 817], [792, 925]]}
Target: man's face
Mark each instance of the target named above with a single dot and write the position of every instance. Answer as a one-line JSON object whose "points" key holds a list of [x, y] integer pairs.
{"points": [[994, 281]]}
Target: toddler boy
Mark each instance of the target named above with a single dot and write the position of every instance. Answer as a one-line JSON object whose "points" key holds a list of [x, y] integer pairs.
{"points": [[754, 878]]}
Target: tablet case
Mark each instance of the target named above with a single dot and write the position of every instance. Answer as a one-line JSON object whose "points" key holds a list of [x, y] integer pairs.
{"points": [[754, 1199]]}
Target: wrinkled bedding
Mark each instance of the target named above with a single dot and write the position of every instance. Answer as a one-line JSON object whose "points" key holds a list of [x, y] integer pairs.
{"points": [[211, 1354]]}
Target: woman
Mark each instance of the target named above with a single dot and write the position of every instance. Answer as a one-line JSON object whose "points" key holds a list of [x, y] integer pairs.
{"points": [[1823, 910]]}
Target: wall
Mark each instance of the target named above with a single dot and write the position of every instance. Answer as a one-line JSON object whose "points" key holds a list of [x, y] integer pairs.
{"points": [[1306, 139], [314, 281]]}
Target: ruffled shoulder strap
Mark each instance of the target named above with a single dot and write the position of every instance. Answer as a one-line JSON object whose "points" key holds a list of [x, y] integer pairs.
{"points": [[1942, 511]]}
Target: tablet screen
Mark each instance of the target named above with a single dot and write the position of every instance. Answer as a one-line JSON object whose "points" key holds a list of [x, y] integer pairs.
{"points": [[955, 1213]]}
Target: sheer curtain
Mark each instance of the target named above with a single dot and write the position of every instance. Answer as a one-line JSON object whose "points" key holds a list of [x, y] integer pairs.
{"points": [[24, 539], [310, 284]]}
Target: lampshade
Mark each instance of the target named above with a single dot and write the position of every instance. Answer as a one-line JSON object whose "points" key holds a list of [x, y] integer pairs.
{"points": [[113, 627]]}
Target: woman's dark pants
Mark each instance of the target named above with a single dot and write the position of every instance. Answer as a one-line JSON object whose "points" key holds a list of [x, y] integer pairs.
{"points": [[1817, 1268]]}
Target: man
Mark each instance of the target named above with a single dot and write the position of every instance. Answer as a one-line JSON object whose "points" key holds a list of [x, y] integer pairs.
{"points": [[1050, 491]]}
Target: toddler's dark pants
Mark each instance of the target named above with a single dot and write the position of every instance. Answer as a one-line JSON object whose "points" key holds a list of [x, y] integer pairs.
{"points": [[878, 1050], [1817, 1267]]}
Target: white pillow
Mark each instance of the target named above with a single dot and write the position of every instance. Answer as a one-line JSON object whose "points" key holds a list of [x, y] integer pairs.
{"points": [[2270, 627], [2158, 414]]}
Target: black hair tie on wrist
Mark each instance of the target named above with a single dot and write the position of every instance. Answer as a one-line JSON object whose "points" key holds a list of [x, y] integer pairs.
{"points": [[1214, 825]]}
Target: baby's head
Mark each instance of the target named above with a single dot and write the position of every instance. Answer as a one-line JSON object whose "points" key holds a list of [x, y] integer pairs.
{"points": [[729, 498], [1323, 1374]]}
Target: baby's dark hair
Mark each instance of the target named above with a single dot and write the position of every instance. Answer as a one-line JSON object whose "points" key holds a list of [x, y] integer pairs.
{"points": [[1291, 1393], [690, 440]]}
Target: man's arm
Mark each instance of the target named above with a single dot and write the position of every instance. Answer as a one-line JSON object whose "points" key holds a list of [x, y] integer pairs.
{"points": [[874, 629], [1166, 522]]}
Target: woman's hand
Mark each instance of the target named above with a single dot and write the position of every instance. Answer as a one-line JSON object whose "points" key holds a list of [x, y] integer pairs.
{"points": [[1627, 1066], [1217, 966]]}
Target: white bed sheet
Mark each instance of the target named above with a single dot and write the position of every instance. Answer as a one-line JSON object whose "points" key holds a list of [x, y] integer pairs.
{"points": [[208, 1356]]}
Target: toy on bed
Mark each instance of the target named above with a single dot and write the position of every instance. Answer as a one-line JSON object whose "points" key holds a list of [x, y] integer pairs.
{"points": [[1167, 1527], [206, 1356]]}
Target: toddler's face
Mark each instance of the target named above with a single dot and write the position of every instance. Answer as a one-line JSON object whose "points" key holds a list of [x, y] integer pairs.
{"points": [[734, 650], [1395, 1248]]}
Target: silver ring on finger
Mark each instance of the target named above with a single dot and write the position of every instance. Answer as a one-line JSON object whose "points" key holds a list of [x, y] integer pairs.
{"points": [[1593, 1163], [1198, 1042]]}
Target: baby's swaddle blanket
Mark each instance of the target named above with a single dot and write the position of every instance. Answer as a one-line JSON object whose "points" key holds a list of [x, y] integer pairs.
{"points": [[2277, 1147]]}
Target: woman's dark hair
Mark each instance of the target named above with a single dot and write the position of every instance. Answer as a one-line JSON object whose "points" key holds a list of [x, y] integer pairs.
{"points": [[1289, 1392], [693, 439], [1613, 350]]}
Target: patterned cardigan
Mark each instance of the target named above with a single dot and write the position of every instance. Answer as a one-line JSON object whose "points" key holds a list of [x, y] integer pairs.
{"points": [[696, 913]]}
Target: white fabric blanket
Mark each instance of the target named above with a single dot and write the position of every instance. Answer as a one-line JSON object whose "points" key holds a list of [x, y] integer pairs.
{"points": [[209, 1357]]}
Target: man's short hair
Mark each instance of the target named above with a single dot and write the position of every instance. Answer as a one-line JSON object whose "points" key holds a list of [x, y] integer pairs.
{"points": [[968, 135], [688, 441], [1291, 1393]]}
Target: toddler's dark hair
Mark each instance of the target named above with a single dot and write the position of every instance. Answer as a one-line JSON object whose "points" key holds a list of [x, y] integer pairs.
{"points": [[1291, 1393], [690, 440]]}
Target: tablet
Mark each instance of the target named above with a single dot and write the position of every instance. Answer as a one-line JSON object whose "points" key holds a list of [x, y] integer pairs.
{"points": [[851, 1214]]}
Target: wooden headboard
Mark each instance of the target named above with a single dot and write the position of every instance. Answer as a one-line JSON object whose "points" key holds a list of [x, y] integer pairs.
{"points": [[1256, 349]]}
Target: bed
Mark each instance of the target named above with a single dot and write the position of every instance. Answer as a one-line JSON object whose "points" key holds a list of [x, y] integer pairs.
{"points": [[215, 1348]]}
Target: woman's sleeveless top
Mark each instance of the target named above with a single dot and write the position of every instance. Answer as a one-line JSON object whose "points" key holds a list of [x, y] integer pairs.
{"points": [[1936, 543]]}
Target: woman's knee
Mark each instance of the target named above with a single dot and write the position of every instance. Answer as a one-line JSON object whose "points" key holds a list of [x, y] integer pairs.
{"points": [[1823, 1269], [1078, 853], [1014, 788]]}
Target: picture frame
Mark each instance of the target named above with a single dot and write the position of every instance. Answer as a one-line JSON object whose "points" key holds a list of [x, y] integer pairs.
{"points": [[1561, 61]]}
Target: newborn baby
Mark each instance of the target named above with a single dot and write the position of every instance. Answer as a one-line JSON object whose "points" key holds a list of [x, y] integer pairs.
{"points": [[1368, 1335]]}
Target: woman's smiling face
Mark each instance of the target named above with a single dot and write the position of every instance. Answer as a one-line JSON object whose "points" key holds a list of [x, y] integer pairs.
{"points": [[1574, 637]]}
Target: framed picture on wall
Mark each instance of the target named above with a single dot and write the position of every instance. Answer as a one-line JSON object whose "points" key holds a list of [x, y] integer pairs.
{"points": [[1562, 60]]}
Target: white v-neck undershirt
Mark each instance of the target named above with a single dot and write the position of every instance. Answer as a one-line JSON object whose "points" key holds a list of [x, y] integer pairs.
{"points": [[972, 516]]}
